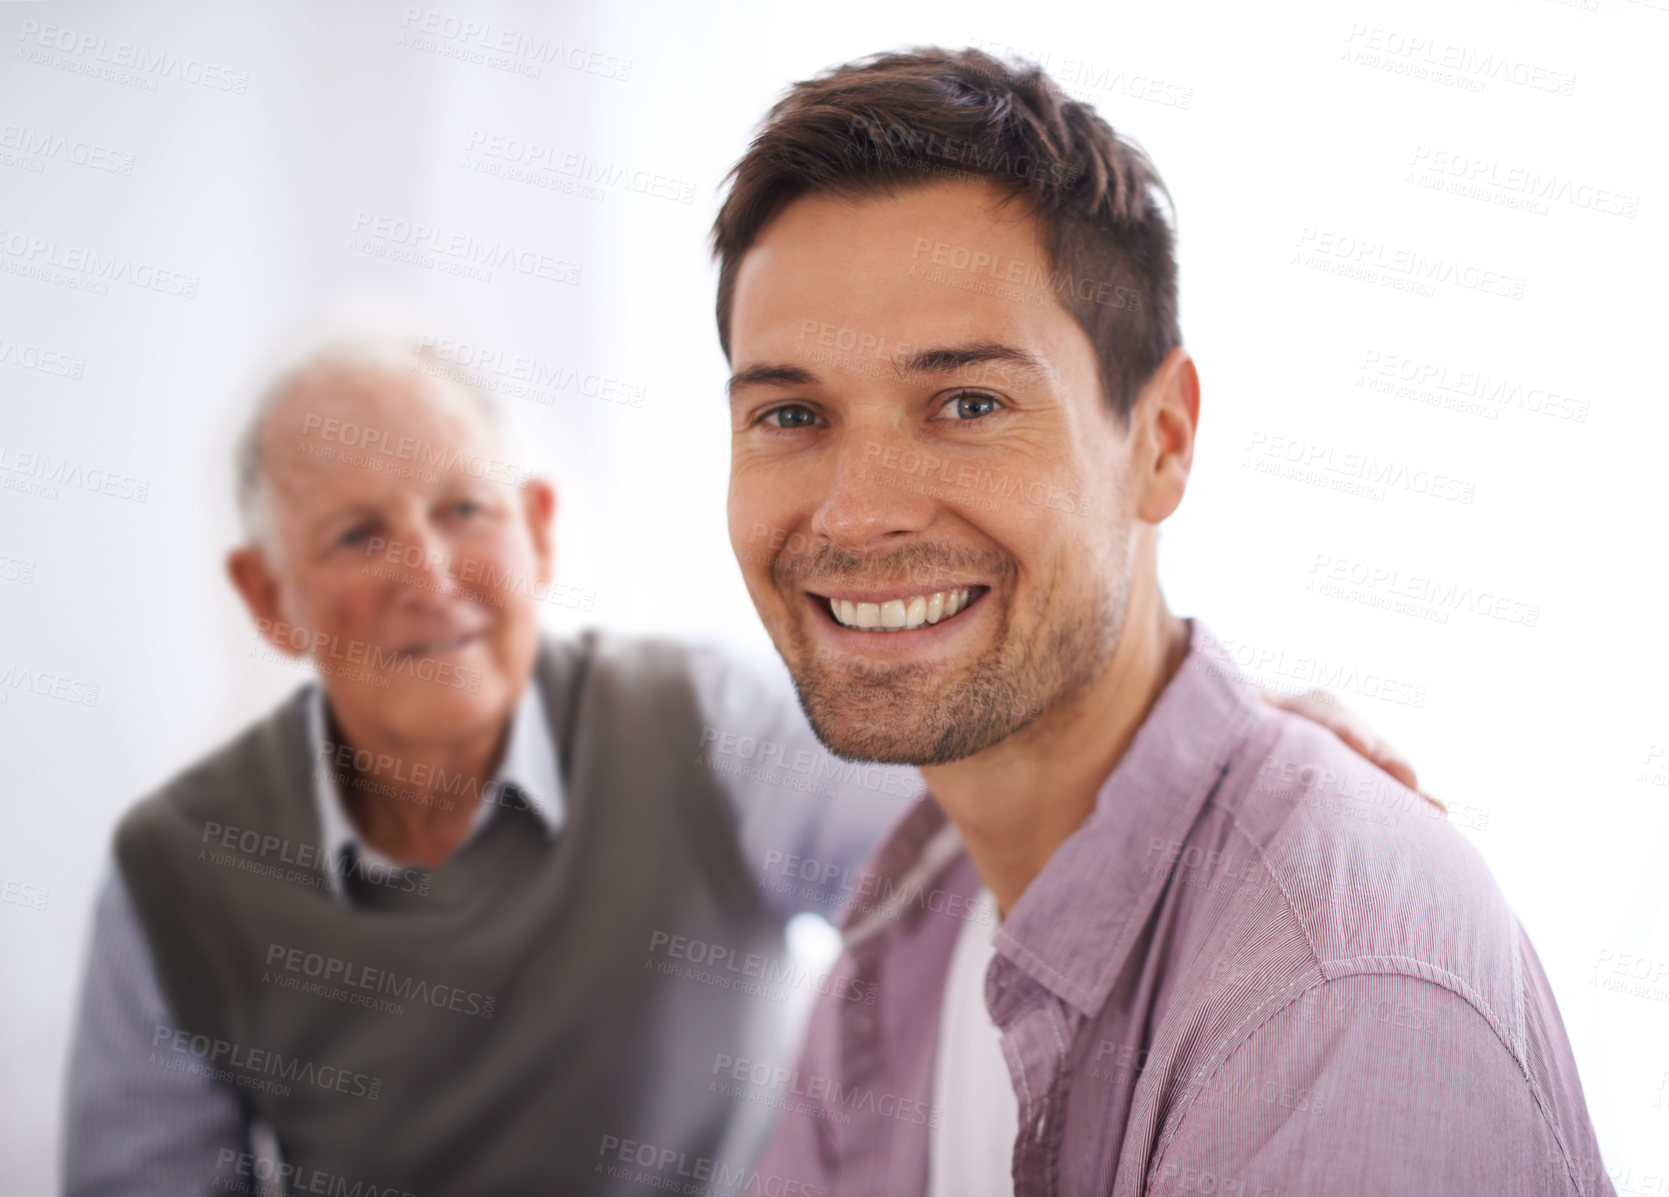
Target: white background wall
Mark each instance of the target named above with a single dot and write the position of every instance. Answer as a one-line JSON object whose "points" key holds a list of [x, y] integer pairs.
{"points": [[1280, 129]]}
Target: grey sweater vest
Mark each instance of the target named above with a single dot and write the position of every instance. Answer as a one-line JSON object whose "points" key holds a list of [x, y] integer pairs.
{"points": [[511, 1028]]}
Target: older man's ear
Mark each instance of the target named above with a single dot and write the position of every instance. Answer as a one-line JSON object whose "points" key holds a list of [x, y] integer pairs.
{"points": [[539, 506], [257, 584]]}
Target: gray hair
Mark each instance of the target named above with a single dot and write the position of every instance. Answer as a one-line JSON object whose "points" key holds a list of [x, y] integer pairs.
{"points": [[340, 357]]}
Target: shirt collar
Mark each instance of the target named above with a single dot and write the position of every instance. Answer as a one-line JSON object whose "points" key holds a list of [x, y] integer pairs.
{"points": [[530, 764], [1073, 928]]}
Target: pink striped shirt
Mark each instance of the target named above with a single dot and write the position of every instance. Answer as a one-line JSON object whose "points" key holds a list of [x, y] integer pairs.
{"points": [[1261, 968]]}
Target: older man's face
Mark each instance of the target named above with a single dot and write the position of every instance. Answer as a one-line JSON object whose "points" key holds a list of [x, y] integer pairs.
{"points": [[409, 558], [930, 500]]}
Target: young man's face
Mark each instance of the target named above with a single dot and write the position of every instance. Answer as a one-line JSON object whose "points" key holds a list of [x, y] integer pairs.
{"points": [[904, 430]]}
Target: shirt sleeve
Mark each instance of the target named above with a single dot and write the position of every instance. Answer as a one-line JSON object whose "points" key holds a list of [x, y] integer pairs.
{"points": [[806, 820], [136, 1123], [1369, 1084]]}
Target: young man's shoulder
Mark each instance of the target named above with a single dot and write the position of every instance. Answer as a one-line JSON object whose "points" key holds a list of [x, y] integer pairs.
{"points": [[1373, 875], [1345, 889], [1365, 971]]}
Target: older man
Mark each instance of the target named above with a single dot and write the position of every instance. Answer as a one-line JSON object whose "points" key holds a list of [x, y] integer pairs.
{"points": [[1230, 957], [479, 912]]}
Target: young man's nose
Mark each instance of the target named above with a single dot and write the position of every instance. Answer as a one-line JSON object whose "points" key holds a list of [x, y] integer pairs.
{"points": [[869, 495]]}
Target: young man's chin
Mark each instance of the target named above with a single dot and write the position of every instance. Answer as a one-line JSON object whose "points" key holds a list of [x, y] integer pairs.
{"points": [[914, 719], [878, 744]]}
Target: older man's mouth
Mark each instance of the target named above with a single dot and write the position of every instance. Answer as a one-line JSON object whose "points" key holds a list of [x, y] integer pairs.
{"points": [[900, 613], [440, 646]]}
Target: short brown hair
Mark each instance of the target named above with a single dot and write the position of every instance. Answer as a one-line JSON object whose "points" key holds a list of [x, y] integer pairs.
{"points": [[896, 120]]}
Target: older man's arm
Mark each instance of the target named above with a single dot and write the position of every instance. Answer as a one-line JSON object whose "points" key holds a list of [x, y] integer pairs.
{"points": [[1384, 1085], [137, 1122], [1318, 706]]}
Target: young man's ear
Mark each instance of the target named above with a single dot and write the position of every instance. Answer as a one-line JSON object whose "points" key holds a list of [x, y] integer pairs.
{"points": [[1166, 418], [257, 584]]}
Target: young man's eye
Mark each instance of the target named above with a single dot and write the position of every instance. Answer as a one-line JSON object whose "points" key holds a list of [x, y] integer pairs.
{"points": [[355, 535], [969, 405], [790, 415], [466, 507]]}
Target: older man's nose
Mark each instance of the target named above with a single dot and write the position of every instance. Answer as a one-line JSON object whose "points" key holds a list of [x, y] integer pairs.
{"points": [[426, 561], [871, 496]]}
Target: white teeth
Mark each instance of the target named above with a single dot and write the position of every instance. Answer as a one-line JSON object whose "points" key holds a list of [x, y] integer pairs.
{"points": [[896, 615]]}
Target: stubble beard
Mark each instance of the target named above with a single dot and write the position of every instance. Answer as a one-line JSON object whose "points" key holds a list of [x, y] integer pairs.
{"points": [[915, 714]]}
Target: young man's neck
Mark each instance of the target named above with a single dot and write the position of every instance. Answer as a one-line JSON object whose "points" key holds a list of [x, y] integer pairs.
{"points": [[1017, 802]]}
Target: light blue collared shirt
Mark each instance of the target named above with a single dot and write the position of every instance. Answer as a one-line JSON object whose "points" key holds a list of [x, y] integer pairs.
{"points": [[529, 764]]}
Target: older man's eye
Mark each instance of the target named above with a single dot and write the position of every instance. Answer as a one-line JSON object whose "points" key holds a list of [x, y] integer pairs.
{"points": [[467, 507], [356, 535], [970, 405]]}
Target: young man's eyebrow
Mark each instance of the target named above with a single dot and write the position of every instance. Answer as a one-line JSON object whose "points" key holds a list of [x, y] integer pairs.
{"points": [[948, 359], [943, 359], [770, 376]]}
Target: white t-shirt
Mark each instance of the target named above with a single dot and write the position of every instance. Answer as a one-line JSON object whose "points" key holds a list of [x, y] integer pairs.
{"points": [[971, 1151]]}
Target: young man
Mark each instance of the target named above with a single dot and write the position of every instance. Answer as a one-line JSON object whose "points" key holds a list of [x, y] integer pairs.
{"points": [[1229, 957], [480, 910]]}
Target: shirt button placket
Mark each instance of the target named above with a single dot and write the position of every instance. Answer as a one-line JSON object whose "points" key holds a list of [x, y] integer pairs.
{"points": [[1038, 1035], [861, 1061]]}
